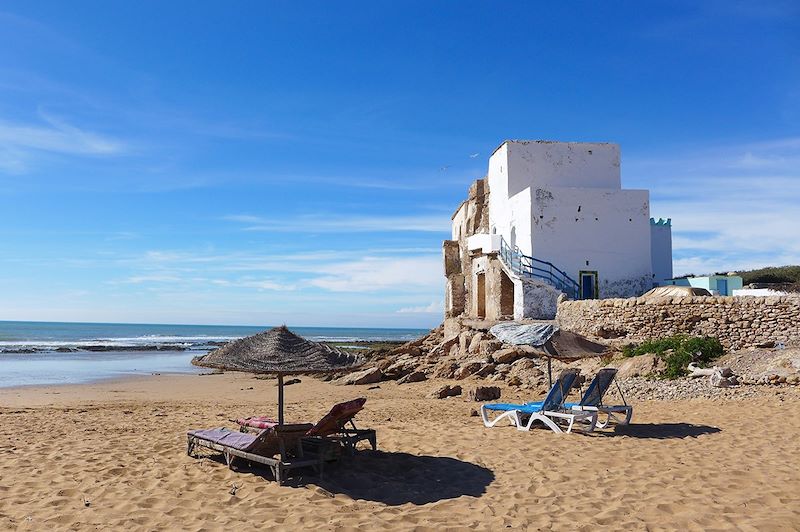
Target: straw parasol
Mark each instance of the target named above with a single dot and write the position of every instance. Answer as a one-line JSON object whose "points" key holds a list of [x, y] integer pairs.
{"points": [[278, 351], [549, 341]]}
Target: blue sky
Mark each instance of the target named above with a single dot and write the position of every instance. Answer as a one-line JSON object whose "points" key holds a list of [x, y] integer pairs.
{"points": [[298, 162]]}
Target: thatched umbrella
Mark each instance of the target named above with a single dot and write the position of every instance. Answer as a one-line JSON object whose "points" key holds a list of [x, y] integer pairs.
{"points": [[278, 351], [549, 340]]}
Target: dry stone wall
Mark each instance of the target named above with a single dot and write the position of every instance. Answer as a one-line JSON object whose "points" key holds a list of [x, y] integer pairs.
{"points": [[738, 322]]}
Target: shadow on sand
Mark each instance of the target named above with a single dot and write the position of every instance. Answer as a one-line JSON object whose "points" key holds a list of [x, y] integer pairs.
{"points": [[400, 478], [662, 431], [389, 478]]}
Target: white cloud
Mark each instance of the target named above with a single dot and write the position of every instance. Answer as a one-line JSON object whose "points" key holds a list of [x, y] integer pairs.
{"points": [[321, 223], [139, 279], [57, 136], [19, 142], [732, 207], [329, 271], [436, 307], [406, 274]]}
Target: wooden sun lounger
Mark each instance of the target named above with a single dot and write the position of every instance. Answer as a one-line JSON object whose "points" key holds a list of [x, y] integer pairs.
{"points": [[283, 441], [337, 425]]}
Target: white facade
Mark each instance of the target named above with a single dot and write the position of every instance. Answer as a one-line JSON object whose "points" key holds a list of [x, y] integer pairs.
{"points": [[563, 203]]}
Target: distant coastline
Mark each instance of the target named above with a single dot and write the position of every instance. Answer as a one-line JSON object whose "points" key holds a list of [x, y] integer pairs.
{"points": [[48, 353], [27, 337]]}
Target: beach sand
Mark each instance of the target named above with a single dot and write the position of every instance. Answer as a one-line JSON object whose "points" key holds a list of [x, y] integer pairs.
{"points": [[112, 455]]}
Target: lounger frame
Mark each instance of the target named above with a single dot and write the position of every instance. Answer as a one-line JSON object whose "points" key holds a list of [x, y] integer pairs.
{"points": [[279, 466], [609, 412], [549, 418], [350, 436], [508, 415]]}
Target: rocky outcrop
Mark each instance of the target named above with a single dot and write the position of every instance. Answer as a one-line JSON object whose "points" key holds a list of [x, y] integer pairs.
{"points": [[367, 376], [416, 376], [641, 366], [485, 393], [463, 349], [446, 391]]}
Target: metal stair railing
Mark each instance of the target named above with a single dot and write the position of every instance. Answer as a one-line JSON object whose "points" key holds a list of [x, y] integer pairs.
{"points": [[533, 268]]}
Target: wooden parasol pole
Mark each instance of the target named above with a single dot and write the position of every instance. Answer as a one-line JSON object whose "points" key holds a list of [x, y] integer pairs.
{"points": [[280, 398]]}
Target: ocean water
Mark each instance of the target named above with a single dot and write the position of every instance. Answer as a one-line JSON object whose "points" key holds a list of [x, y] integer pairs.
{"points": [[39, 353]]}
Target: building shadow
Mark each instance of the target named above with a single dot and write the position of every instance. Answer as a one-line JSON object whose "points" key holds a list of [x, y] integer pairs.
{"points": [[662, 431]]}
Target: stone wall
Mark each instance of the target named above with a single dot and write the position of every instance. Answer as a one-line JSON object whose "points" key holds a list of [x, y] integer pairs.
{"points": [[738, 322]]}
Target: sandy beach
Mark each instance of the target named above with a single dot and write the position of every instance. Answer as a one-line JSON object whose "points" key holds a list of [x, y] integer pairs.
{"points": [[113, 455]]}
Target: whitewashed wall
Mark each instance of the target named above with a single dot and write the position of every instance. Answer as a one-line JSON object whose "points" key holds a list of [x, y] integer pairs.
{"points": [[518, 167], [545, 164], [601, 230]]}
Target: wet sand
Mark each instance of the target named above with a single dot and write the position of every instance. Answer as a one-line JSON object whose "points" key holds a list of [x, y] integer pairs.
{"points": [[112, 455]]}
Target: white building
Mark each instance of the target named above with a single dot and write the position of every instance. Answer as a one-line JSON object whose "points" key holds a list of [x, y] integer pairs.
{"points": [[557, 215]]}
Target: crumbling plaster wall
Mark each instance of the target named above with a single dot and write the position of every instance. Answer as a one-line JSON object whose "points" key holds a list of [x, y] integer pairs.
{"points": [[535, 300], [492, 268], [738, 322], [470, 218]]}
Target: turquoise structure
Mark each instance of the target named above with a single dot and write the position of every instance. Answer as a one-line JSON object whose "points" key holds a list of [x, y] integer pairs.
{"points": [[722, 285]]}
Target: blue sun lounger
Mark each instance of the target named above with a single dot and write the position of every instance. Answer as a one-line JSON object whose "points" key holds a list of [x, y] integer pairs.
{"points": [[549, 412], [592, 401]]}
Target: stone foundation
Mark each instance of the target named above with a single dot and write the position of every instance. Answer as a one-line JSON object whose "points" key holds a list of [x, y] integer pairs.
{"points": [[738, 322]]}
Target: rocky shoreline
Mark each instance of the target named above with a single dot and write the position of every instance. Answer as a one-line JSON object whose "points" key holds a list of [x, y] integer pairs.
{"points": [[475, 356]]}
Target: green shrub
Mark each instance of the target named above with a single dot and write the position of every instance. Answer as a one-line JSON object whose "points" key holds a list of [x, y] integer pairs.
{"points": [[677, 352], [779, 274]]}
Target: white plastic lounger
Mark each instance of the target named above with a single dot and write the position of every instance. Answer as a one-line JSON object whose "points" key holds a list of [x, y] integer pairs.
{"points": [[550, 412], [564, 383], [592, 400], [526, 417]]}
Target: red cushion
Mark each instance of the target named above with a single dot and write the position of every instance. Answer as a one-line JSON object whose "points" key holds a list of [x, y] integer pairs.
{"points": [[338, 416], [257, 422]]}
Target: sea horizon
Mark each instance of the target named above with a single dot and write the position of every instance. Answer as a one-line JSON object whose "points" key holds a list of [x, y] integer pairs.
{"points": [[43, 353]]}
